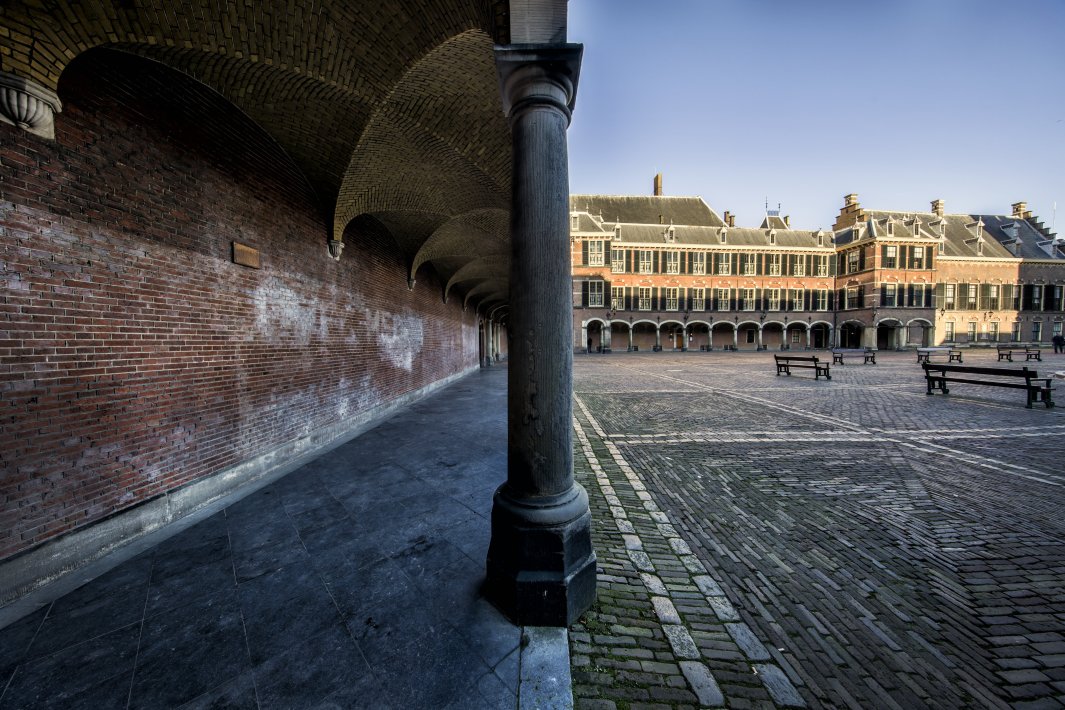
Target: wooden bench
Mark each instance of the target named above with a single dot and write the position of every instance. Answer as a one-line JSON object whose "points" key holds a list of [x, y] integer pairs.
{"points": [[937, 376], [1006, 352], [786, 362], [868, 353], [926, 354]]}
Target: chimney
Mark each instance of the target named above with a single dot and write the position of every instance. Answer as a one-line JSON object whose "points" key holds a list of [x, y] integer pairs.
{"points": [[850, 200], [938, 207], [730, 219], [658, 185], [787, 221], [1020, 210], [728, 215]]}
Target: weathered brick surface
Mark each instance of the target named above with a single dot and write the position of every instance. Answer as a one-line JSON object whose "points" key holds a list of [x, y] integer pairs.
{"points": [[135, 356], [883, 548]]}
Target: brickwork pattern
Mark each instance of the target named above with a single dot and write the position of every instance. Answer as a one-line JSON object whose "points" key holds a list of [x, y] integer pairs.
{"points": [[883, 548], [390, 109], [134, 356]]}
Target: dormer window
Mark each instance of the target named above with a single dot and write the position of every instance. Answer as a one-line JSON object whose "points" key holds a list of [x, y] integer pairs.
{"points": [[724, 234], [916, 227], [575, 222], [890, 229], [671, 235], [617, 231], [773, 236], [979, 247], [820, 239]]}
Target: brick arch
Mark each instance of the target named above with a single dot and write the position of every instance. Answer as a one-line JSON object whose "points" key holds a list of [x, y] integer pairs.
{"points": [[439, 141], [478, 270], [313, 78]]}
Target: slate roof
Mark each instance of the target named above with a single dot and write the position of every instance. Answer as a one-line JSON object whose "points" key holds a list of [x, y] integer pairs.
{"points": [[1003, 236], [645, 209]]}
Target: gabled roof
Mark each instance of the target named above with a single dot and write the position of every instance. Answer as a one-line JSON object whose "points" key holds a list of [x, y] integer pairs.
{"points": [[1002, 236], [643, 209], [773, 221]]}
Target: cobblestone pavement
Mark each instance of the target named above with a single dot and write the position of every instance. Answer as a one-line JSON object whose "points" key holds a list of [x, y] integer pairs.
{"points": [[775, 541]]}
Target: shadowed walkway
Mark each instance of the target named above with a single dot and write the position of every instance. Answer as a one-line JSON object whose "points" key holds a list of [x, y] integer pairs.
{"points": [[353, 581]]}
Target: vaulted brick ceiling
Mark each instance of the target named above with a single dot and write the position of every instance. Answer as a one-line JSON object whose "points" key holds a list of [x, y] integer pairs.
{"points": [[389, 109]]}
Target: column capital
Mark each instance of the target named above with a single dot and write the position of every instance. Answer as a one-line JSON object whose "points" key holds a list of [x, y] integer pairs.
{"points": [[538, 74], [28, 105]]}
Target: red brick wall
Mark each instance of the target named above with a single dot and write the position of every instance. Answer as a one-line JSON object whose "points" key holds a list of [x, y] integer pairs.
{"points": [[135, 357]]}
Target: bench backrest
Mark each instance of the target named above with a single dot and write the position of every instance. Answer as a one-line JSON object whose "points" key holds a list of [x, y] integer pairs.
{"points": [[804, 358], [1024, 372]]}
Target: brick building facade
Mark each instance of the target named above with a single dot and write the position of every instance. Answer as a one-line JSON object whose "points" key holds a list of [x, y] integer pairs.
{"points": [[669, 273]]}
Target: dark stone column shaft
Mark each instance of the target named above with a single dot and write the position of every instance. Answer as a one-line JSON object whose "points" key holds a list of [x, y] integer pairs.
{"points": [[541, 568]]}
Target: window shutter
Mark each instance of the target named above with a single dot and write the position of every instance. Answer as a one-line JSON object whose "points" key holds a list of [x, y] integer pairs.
{"points": [[629, 258], [806, 300], [584, 294], [606, 253], [861, 296], [654, 263], [809, 264], [654, 298], [928, 258], [758, 270], [735, 263], [584, 252], [833, 265], [909, 295], [732, 297], [984, 296], [883, 294], [628, 298], [883, 253], [861, 259], [962, 297], [831, 300]]}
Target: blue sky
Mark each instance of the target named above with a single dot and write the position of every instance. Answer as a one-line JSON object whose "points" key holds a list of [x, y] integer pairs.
{"points": [[900, 101]]}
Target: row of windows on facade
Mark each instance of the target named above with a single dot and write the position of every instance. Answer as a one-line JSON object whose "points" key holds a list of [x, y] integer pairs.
{"points": [[653, 261], [984, 297], [988, 331]]}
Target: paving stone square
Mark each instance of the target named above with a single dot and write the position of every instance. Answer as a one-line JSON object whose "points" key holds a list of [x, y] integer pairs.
{"points": [[850, 542]]}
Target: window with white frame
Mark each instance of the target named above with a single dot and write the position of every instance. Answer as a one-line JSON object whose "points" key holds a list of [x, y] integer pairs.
{"points": [[748, 263], [645, 299], [970, 334], [723, 299], [575, 222], [795, 298], [774, 264], [821, 299], [617, 261], [852, 261], [698, 262], [747, 300], [672, 299], [891, 257], [1057, 327], [1037, 297], [992, 297], [948, 331], [1037, 332], [891, 292], [773, 294], [971, 296], [724, 264], [799, 266], [672, 262], [645, 261], [852, 298], [917, 255], [698, 296], [595, 294], [617, 298], [1015, 332], [992, 331], [595, 252], [949, 296], [822, 265]]}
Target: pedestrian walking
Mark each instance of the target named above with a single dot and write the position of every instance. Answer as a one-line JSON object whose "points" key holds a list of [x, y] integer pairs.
{"points": [[1059, 343]]}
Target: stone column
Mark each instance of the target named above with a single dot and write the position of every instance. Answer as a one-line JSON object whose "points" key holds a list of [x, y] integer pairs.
{"points": [[541, 566], [630, 337], [735, 337], [684, 339], [584, 339], [658, 337], [761, 343], [488, 341], [608, 337]]}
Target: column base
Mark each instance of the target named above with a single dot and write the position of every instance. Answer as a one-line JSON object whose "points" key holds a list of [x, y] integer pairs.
{"points": [[541, 566]]}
